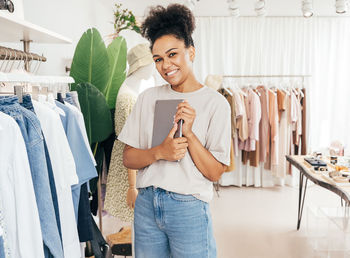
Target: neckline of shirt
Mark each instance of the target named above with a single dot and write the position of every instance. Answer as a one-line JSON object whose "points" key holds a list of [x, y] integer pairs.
{"points": [[185, 93]]}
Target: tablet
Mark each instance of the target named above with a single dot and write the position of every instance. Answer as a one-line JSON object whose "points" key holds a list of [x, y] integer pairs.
{"points": [[164, 112]]}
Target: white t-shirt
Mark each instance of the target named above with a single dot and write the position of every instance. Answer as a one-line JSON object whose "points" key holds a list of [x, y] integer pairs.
{"points": [[212, 127]]}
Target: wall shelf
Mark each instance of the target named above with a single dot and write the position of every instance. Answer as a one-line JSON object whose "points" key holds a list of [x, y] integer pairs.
{"points": [[13, 29]]}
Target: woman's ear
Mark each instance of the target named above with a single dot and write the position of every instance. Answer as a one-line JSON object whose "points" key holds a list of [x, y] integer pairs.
{"points": [[192, 51]]}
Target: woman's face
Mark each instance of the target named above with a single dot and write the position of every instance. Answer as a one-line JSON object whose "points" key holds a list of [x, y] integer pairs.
{"points": [[173, 60]]}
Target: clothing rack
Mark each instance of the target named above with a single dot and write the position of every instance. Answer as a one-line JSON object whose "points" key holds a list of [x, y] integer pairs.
{"points": [[303, 136], [302, 76]]}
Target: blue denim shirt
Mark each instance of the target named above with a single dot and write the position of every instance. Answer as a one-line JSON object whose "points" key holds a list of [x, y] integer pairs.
{"points": [[33, 138], [85, 167]]}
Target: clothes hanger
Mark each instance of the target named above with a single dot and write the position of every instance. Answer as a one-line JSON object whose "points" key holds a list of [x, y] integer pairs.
{"points": [[223, 86], [4, 60], [239, 90]]}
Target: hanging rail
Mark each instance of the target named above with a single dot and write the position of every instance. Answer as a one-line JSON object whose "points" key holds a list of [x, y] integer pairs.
{"points": [[14, 54], [266, 76]]}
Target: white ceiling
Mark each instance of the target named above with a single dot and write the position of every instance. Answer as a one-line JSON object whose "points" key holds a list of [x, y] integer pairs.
{"points": [[219, 7]]}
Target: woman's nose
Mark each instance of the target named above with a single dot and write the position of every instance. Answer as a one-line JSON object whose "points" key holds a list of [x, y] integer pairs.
{"points": [[166, 64]]}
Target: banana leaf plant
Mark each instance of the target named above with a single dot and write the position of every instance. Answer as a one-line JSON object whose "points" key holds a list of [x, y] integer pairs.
{"points": [[98, 71]]}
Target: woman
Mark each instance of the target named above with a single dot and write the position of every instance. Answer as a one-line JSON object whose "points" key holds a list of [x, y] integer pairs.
{"points": [[172, 217]]}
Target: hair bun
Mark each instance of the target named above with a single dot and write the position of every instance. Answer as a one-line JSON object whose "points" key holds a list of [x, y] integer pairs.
{"points": [[176, 19]]}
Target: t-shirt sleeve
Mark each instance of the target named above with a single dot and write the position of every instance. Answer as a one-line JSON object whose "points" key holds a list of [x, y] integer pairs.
{"points": [[218, 140], [130, 133]]}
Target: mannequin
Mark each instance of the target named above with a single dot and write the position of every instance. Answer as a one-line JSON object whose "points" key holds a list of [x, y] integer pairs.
{"points": [[139, 81], [135, 84], [121, 189]]}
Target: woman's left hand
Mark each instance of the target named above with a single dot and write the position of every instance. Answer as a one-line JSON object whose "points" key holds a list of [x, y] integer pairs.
{"points": [[187, 114]]}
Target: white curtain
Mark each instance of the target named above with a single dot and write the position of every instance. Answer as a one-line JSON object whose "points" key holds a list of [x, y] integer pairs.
{"points": [[282, 46]]}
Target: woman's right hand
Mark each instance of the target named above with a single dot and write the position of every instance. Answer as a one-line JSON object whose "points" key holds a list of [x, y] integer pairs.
{"points": [[173, 149]]}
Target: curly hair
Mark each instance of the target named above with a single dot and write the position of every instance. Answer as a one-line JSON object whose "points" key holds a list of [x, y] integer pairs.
{"points": [[176, 20]]}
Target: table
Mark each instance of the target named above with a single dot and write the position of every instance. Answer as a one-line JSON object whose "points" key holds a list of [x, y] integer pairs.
{"points": [[307, 172]]}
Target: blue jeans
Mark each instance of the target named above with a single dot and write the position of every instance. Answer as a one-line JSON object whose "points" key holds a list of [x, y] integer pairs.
{"points": [[33, 138], [173, 225]]}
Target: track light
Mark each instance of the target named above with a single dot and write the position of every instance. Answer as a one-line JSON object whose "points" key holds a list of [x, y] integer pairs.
{"points": [[260, 8], [341, 6], [233, 8], [307, 8]]}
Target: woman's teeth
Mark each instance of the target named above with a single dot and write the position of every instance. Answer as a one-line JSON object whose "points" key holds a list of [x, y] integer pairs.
{"points": [[171, 73]]}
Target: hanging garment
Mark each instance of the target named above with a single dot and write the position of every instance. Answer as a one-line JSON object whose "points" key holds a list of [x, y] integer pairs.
{"points": [[242, 122], [31, 132], [75, 100], [64, 173], [281, 103], [85, 227], [117, 180], [298, 125], [285, 135], [84, 212], [239, 110], [230, 100], [274, 139], [264, 126], [253, 109], [304, 115], [4, 249], [72, 123], [21, 215]]}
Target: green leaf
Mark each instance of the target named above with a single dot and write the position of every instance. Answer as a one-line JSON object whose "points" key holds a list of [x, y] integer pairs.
{"points": [[117, 52], [90, 61], [97, 116]]}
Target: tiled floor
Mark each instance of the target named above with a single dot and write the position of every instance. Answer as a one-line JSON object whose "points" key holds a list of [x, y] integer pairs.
{"points": [[261, 222]]}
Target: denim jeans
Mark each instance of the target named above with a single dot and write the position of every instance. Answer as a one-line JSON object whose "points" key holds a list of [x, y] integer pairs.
{"points": [[33, 138], [173, 225]]}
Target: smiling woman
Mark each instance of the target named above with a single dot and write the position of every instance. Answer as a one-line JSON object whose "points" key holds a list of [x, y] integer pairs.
{"points": [[174, 179]]}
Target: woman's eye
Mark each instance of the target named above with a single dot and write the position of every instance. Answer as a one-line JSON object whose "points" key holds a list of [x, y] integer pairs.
{"points": [[157, 60], [172, 54]]}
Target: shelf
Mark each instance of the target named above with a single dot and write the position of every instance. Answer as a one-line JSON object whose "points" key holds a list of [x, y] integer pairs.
{"points": [[13, 29]]}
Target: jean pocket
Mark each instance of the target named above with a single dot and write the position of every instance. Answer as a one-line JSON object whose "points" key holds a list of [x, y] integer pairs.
{"points": [[183, 197], [141, 191]]}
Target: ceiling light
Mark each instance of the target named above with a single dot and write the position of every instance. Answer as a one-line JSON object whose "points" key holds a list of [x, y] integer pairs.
{"points": [[260, 8], [233, 8], [341, 6], [307, 8]]}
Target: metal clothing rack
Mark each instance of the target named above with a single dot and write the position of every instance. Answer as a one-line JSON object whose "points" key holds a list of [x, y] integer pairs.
{"points": [[268, 76], [18, 55], [303, 137], [14, 54]]}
